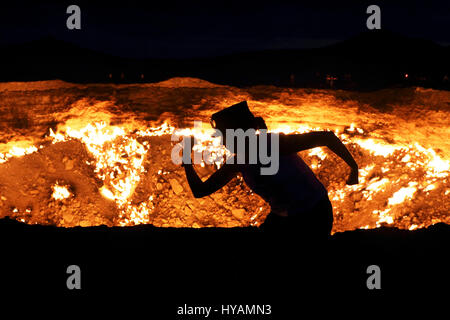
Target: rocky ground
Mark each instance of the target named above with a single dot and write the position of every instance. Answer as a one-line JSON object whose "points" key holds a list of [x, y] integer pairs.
{"points": [[396, 116]]}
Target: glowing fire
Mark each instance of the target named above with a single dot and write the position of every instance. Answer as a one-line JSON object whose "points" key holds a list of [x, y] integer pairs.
{"points": [[119, 157], [392, 175], [118, 162], [60, 192], [17, 149], [403, 194]]}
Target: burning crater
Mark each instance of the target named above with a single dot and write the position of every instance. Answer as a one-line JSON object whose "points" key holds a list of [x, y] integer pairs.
{"points": [[85, 155]]}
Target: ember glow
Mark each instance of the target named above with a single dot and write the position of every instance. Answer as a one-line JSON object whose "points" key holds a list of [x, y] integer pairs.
{"points": [[60, 192], [16, 149], [118, 159], [403, 177]]}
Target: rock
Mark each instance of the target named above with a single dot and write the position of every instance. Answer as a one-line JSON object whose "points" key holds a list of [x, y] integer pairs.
{"points": [[67, 216], [238, 213], [189, 220], [199, 215], [159, 186], [191, 206], [176, 205], [232, 199], [69, 164], [85, 223], [176, 186], [233, 224], [216, 196], [3, 198], [98, 220], [357, 196], [187, 211], [178, 223]]}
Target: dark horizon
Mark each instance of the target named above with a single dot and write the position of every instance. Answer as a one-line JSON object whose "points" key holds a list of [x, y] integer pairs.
{"points": [[202, 29], [50, 39], [370, 60]]}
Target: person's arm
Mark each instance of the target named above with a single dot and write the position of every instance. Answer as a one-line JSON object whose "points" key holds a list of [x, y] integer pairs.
{"points": [[215, 182], [294, 143]]}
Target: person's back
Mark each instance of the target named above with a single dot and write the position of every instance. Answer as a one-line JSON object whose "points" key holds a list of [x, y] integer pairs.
{"points": [[293, 190], [298, 200]]}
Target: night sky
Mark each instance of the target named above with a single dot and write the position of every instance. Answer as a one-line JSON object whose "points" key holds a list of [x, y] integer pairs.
{"points": [[211, 28]]}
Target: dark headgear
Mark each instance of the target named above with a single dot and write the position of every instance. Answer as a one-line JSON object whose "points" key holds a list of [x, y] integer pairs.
{"points": [[234, 117]]}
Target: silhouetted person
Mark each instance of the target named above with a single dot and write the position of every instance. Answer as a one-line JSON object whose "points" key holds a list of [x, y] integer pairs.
{"points": [[298, 200]]}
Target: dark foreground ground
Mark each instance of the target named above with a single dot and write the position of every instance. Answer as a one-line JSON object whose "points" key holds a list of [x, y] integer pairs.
{"points": [[162, 269]]}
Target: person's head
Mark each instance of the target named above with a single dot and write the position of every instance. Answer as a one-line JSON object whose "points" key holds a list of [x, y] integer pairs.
{"points": [[237, 116], [245, 143]]}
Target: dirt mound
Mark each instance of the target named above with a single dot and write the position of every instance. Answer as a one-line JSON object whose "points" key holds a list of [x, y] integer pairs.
{"points": [[186, 83], [36, 85]]}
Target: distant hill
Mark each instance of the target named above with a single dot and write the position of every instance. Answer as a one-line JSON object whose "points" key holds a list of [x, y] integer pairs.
{"points": [[370, 60]]}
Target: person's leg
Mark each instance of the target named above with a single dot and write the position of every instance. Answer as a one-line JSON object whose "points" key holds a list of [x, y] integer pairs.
{"points": [[320, 219], [327, 209], [315, 224], [273, 222]]}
